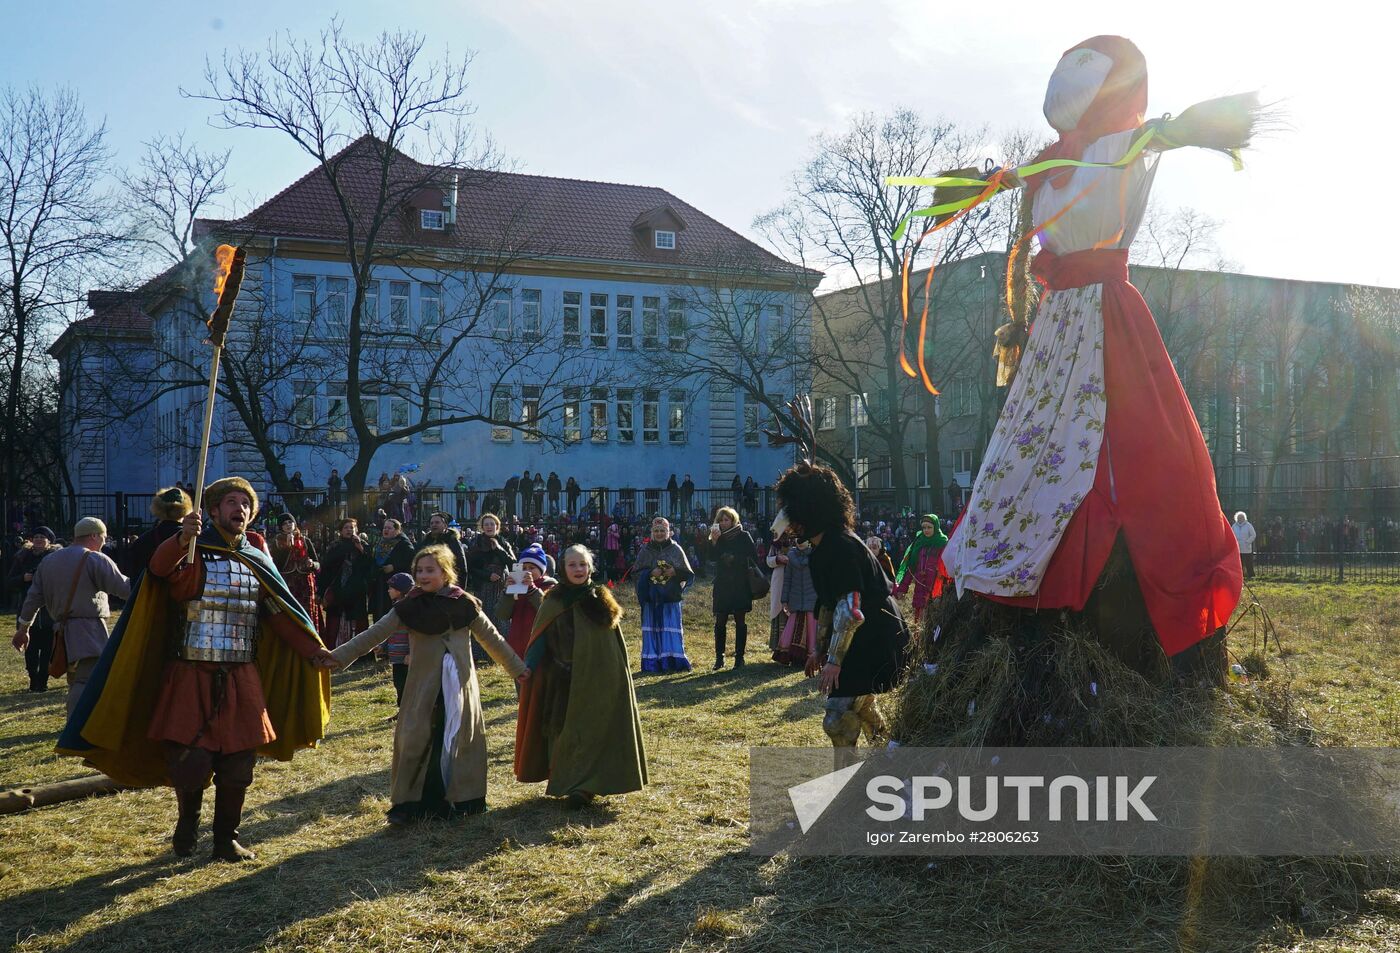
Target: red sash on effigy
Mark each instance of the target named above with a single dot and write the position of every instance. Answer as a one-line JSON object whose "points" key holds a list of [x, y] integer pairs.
{"points": [[1154, 480]]}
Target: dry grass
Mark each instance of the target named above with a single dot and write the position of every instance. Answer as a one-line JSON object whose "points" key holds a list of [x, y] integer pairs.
{"points": [[666, 869]]}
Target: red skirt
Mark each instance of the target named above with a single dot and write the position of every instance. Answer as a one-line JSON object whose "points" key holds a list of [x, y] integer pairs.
{"points": [[1154, 482], [188, 693]]}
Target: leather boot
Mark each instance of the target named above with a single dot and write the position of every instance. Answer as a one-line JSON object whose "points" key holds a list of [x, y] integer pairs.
{"points": [[187, 825], [228, 811], [719, 643], [741, 641]]}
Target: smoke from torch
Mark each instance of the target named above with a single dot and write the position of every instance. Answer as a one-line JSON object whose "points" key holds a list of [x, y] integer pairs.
{"points": [[228, 278]]}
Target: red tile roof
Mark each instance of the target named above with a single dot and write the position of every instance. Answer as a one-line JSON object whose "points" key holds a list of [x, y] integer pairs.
{"points": [[540, 215], [111, 311]]}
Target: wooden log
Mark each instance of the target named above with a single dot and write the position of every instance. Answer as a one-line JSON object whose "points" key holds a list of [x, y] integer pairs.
{"points": [[16, 800]]}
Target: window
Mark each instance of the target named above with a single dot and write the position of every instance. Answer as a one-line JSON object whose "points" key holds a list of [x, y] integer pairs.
{"points": [[857, 409], [530, 324], [336, 412], [369, 407], [624, 322], [651, 324], [369, 311], [676, 419], [962, 396], [598, 415], [962, 461], [498, 308], [880, 478], [433, 434], [1268, 387], [398, 416], [303, 299], [304, 404], [573, 431], [826, 413], [750, 423], [749, 327], [626, 433], [921, 469], [500, 413], [530, 412], [1240, 439], [675, 324], [337, 307], [398, 305], [862, 468], [1295, 408], [777, 329], [573, 306], [666, 240], [651, 416], [432, 220], [429, 305], [598, 321]]}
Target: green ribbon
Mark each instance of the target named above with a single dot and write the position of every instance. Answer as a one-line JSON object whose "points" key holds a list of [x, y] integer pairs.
{"points": [[1035, 168]]}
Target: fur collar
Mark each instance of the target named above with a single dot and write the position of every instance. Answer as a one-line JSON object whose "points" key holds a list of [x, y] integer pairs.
{"points": [[596, 602]]}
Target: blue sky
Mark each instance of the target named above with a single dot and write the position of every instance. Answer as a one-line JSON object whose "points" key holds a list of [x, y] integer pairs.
{"points": [[718, 101]]}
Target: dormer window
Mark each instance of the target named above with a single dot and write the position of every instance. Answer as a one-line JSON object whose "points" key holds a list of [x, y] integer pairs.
{"points": [[665, 240], [431, 219]]}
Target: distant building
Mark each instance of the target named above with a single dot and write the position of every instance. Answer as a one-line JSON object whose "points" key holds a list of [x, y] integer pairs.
{"points": [[573, 291]]}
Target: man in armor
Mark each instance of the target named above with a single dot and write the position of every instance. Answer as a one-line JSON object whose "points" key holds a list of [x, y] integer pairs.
{"points": [[218, 660]]}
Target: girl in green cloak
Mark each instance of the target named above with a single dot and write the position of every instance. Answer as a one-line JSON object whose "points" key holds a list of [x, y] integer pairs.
{"points": [[920, 565]]}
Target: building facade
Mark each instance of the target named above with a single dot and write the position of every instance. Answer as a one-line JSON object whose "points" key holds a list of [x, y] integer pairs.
{"points": [[521, 324], [1295, 384]]}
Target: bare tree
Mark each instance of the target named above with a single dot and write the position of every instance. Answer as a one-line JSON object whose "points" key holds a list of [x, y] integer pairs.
{"points": [[840, 216], [358, 110], [56, 230]]}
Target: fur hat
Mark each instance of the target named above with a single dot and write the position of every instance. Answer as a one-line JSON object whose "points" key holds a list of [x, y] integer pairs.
{"points": [[171, 503], [214, 494]]}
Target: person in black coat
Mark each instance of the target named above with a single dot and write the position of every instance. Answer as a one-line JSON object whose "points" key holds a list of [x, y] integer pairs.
{"points": [[346, 573], [571, 492], [733, 553], [39, 651], [554, 487], [673, 495], [393, 553], [440, 533], [169, 507], [858, 619]]}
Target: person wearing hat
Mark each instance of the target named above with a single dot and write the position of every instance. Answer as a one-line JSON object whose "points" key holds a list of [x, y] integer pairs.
{"points": [[168, 506], [920, 565], [399, 585], [73, 584], [213, 663], [39, 651], [516, 611]]}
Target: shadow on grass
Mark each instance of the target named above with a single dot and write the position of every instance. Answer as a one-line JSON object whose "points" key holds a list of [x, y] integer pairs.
{"points": [[249, 910]]}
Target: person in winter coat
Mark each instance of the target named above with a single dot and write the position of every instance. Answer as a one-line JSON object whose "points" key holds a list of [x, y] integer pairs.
{"points": [[488, 558], [39, 652], [516, 613], [776, 559], [439, 763], [578, 726], [441, 533], [799, 639], [882, 556], [920, 565], [393, 554], [346, 573], [733, 552]]}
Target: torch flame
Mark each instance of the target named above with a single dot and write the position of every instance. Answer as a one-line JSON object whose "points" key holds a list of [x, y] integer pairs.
{"points": [[223, 263]]}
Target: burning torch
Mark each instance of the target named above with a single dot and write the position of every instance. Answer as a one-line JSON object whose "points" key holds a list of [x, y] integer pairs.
{"points": [[228, 276]]}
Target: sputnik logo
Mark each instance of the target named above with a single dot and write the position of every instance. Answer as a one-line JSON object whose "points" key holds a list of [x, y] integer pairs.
{"points": [[810, 799]]}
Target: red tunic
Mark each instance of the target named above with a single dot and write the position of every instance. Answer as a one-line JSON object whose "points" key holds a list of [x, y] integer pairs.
{"points": [[188, 689]]}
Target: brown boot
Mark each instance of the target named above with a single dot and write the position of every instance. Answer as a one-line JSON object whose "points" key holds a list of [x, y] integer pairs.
{"points": [[187, 825], [228, 811]]}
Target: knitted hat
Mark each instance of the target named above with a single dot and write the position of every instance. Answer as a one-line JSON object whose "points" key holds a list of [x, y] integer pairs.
{"points": [[401, 581], [43, 531], [535, 555], [89, 526]]}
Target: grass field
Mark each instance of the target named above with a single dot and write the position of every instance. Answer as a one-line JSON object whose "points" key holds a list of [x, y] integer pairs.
{"points": [[665, 869]]}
